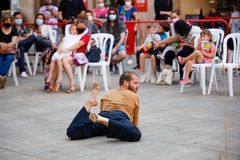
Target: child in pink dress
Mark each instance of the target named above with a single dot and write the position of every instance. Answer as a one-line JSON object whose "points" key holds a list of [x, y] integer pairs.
{"points": [[204, 53]]}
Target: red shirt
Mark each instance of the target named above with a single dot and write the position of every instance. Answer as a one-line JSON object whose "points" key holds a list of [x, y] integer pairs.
{"points": [[85, 39]]}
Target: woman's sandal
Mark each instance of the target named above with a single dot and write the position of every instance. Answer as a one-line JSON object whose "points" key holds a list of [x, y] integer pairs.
{"points": [[71, 89], [51, 88], [58, 84]]}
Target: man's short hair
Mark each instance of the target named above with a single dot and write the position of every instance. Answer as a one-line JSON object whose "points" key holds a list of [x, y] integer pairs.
{"points": [[126, 76]]}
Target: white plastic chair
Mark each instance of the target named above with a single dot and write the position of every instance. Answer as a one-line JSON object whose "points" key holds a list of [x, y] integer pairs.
{"points": [[202, 66], [13, 69], [228, 65], [219, 49], [101, 39], [38, 53]]}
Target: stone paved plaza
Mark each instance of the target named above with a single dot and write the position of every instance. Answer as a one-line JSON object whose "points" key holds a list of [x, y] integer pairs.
{"points": [[174, 125]]}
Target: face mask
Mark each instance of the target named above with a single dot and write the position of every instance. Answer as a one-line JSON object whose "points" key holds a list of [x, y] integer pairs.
{"points": [[18, 21], [7, 25], [175, 20], [81, 30], [90, 18], [39, 22], [112, 17], [100, 5], [128, 4]]}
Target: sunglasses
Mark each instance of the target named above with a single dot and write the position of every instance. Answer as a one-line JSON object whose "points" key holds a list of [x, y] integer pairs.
{"points": [[112, 13]]}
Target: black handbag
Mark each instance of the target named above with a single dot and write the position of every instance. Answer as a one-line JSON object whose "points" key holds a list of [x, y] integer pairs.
{"points": [[94, 54]]}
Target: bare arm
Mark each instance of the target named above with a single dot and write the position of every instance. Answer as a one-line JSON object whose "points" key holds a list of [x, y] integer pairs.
{"points": [[166, 41]]}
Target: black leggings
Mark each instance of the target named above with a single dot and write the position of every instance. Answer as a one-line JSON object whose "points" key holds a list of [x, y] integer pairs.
{"points": [[170, 55]]}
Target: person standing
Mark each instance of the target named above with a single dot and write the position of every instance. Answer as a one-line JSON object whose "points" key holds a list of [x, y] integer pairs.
{"points": [[8, 41], [69, 9], [118, 115], [163, 9], [128, 12], [100, 13], [51, 14]]}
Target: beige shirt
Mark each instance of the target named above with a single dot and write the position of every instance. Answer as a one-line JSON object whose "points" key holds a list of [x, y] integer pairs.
{"points": [[122, 100]]}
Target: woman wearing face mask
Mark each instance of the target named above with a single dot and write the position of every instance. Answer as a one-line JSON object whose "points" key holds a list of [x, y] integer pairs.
{"points": [[44, 33], [100, 13], [118, 29], [8, 41], [81, 46], [128, 12], [25, 41]]}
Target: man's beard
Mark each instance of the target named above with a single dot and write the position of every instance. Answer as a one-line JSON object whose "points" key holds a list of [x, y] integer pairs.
{"points": [[131, 88]]}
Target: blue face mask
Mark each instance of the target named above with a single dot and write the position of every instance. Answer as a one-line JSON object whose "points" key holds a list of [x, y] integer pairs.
{"points": [[18, 21], [39, 22], [112, 17]]}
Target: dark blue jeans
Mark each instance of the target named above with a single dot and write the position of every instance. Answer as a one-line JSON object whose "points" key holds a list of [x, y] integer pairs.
{"points": [[24, 46], [5, 63], [119, 126]]}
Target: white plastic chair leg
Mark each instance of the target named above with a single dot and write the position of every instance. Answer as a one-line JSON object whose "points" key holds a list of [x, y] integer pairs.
{"points": [[36, 62], [28, 63], [13, 68], [80, 78], [230, 81], [203, 84]]}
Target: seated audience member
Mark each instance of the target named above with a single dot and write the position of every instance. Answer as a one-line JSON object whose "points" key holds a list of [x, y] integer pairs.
{"points": [[51, 14], [203, 54], [175, 48], [25, 41], [93, 28], [118, 117], [100, 13], [161, 30], [8, 41], [184, 32], [118, 29], [68, 41], [80, 46], [45, 38], [146, 51]]}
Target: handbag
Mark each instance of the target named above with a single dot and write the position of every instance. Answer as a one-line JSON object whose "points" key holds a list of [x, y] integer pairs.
{"points": [[80, 59], [94, 54], [166, 76]]}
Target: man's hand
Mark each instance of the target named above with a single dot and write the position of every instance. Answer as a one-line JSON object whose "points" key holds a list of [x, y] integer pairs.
{"points": [[156, 45], [114, 50]]}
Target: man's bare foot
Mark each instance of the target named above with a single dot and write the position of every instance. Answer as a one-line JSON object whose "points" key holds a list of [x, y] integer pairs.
{"points": [[94, 117], [94, 93], [92, 100]]}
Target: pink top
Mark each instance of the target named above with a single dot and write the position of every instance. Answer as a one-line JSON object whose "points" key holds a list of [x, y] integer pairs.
{"points": [[207, 47], [101, 13]]}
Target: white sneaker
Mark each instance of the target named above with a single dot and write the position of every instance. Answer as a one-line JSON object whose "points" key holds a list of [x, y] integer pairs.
{"points": [[142, 78], [237, 73], [129, 61], [24, 75], [153, 80]]}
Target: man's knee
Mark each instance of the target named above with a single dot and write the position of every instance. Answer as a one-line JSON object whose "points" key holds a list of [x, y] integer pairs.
{"points": [[71, 133]]}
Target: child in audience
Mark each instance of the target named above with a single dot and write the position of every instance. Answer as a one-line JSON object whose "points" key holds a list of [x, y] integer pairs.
{"points": [[161, 30], [70, 39], [146, 51], [203, 54]]}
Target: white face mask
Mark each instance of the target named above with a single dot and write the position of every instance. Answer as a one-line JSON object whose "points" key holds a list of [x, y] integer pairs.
{"points": [[112, 17], [128, 4], [175, 20], [90, 18], [100, 5]]}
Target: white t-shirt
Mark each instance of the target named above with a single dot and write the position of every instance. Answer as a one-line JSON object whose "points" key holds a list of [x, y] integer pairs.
{"points": [[70, 40]]}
